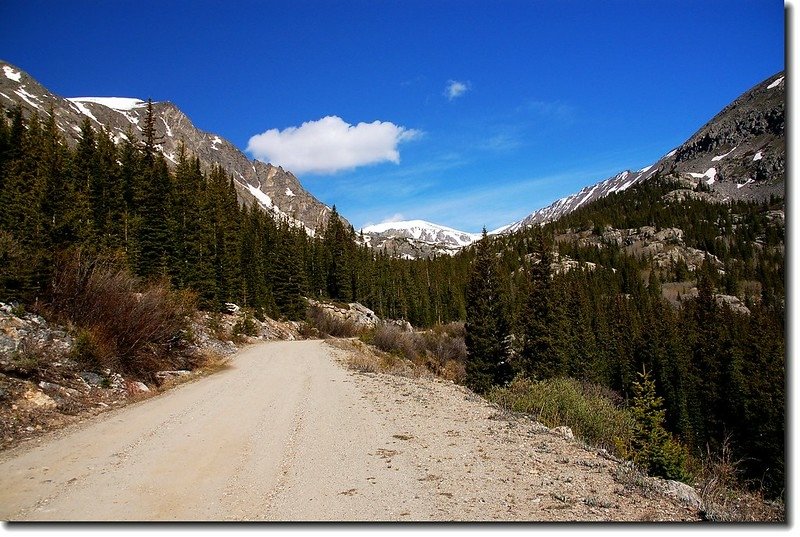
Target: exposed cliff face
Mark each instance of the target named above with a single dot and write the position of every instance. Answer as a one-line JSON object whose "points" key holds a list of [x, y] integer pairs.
{"points": [[274, 189]]}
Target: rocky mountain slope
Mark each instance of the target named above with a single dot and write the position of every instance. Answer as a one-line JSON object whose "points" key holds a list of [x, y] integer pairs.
{"points": [[276, 190], [739, 154]]}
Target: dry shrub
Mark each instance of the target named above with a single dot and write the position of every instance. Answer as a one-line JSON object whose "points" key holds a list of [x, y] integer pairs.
{"points": [[366, 358], [455, 371], [331, 325], [440, 351], [446, 344], [392, 338], [363, 362], [724, 498], [126, 324]]}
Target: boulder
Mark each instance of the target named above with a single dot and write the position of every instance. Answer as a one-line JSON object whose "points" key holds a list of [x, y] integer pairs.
{"points": [[684, 493], [137, 387], [564, 431], [92, 379], [354, 312]]}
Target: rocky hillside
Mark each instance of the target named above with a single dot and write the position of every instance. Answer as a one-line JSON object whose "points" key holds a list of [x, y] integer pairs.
{"points": [[740, 154], [274, 189]]}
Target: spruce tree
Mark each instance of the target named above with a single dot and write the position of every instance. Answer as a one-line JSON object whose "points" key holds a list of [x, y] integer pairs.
{"points": [[541, 356], [487, 326], [338, 244], [289, 281]]}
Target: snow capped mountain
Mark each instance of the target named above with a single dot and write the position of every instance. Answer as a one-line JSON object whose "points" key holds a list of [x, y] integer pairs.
{"points": [[618, 183], [275, 190], [420, 230], [417, 238]]}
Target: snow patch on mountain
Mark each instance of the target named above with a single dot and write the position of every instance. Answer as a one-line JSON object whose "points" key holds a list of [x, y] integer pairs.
{"points": [[121, 104], [711, 173], [167, 127], [84, 109], [720, 157], [11, 73], [265, 200], [28, 97], [775, 84]]}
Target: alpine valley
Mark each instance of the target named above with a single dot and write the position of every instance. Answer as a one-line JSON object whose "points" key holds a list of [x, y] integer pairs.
{"points": [[738, 155], [657, 294]]}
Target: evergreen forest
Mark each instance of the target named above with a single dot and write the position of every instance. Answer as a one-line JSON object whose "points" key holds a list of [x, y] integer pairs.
{"points": [[719, 371]]}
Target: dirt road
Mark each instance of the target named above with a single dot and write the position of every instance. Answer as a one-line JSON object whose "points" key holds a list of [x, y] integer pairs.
{"points": [[287, 433]]}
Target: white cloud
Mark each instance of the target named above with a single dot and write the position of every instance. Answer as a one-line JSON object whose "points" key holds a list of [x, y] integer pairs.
{"points": [[455, 89], [330, 144]]}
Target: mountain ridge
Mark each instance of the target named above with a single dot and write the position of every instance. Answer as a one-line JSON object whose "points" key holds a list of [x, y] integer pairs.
{"points": [[275, 190], [738, 154]]}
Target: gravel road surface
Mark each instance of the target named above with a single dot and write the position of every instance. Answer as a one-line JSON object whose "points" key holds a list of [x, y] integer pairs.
{"points": [[288, 433]]}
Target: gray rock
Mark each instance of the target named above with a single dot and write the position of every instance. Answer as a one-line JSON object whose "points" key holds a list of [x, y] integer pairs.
{"points": [[684, 493], [92, 379]]}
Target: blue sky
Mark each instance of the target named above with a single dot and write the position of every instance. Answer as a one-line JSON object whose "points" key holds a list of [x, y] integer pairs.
{"points": [[465, 113]]}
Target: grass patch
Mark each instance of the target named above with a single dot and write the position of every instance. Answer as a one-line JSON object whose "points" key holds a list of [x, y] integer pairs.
{"points": [[589, 410]]}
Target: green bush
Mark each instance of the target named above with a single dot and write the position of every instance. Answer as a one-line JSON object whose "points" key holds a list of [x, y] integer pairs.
{"points": [[589, 410], [245, 325]]}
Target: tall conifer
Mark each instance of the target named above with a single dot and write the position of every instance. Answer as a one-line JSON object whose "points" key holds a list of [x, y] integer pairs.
{"points": [[487, 326]]}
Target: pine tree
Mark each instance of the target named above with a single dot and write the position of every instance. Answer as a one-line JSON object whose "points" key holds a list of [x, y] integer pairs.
{"points": [[338, 244], [487, 327], [289, 281], [652, 446], [21, 217], [541, 356], [130, 175], [109, 193], [153, 238]]}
